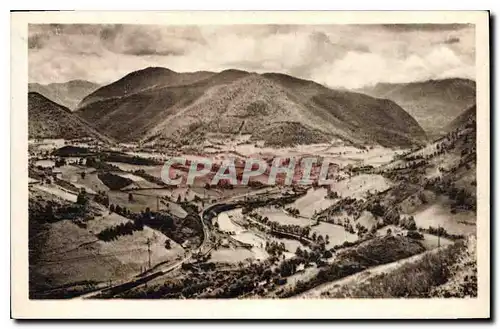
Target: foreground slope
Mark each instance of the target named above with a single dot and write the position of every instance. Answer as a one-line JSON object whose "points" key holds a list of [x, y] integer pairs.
{"points": [[68, 94], [433, 103], [159, 105], [47, 119]]}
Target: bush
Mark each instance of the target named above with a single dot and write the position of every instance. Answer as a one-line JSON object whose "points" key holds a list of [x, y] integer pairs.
{"points": [[82, 198], [415, 235], [102, 198]]}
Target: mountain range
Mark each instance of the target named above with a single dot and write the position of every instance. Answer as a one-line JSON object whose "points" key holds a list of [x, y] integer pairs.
{"points": [[433, 103], [162, 106], [68, 94], [159, 106]]}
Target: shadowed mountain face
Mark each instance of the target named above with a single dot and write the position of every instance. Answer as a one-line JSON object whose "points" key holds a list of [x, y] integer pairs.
{"points": [[50, 120], [162, 106], [434, 103], [68, 94]]}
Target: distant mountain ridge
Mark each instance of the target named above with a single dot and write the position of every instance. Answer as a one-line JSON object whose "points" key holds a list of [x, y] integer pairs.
{"points": [[140, 81], [47, 119], [433, 103], [163, 106], [68, 94]]}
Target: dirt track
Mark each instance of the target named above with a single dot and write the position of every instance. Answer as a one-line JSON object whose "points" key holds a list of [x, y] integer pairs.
{"points": [[360, 277]]}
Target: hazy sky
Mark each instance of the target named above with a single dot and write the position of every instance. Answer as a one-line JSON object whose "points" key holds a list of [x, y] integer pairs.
{"points": [[348, 56]]}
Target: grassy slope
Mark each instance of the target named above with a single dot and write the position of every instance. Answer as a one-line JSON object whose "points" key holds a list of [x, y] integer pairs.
{"points": [[66, 254], [374, 252], [436, 274]]}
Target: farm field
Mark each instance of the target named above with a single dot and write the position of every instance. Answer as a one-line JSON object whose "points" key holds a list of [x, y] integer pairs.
{"points": [[358, 186], [56, 191], [106, 220], [137, 182], [46, 144], [226, 224], [280, 216], [72, 172], [81, 176], [375, 157], [336, 233], [291, 245], [132, 167], [313, 202], [367, 219], [73, 254], [231, 255], [141, 201], [45, 163], [256, 241], [431, 241], [147, 196], [138, 203], [439, 214], [173, 193]]}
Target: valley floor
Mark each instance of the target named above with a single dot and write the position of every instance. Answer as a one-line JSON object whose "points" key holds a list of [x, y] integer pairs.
{"points": [[112, 229]]}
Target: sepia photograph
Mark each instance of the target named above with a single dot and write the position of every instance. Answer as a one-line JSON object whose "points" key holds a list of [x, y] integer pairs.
{"points": [[294, 160]]}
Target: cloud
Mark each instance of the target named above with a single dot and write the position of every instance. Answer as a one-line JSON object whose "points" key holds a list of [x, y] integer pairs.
{"points": [[336, 55], [451, 40], [356, 69], [424, 27], [150, 40], [37, 41]]}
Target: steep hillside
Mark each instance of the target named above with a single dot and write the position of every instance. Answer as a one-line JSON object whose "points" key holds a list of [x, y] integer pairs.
{"points": [[47, 119], [433, 103], [446, 166], [464, 118], [68, 94], [159, 105]]}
